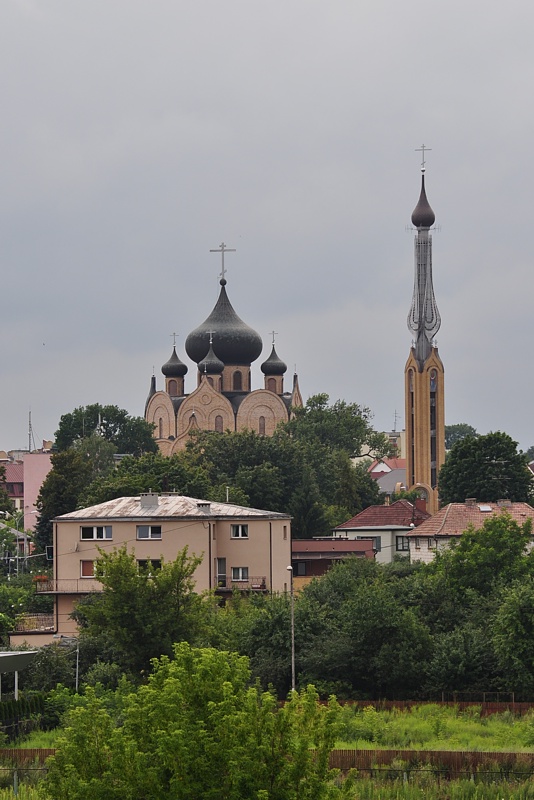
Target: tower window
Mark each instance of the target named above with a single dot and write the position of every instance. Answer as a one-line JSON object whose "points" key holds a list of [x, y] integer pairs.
{"points": [[271, 385], [173, 388], [160, 428], [238, 381], [219, 423], [261, 426]]}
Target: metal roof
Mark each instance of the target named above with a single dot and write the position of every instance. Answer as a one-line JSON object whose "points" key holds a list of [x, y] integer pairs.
{"points": [[14, 662], [168, 506]]}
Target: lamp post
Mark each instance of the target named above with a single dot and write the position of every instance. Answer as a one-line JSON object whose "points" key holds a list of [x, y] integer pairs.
{"points": [[292, 605], [72, 640]]}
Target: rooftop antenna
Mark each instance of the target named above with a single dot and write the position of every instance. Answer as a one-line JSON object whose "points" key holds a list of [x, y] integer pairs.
{"points": [[395, 419], [222, 249]]}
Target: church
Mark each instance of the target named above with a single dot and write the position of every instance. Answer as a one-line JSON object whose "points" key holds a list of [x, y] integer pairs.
{"points": [[223, 347]]}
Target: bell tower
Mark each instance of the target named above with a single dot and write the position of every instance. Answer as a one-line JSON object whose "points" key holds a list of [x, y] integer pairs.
{"points": [[424, 373]]}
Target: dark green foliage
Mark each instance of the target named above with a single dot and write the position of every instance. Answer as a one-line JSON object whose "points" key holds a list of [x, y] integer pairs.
{"points": [[488, 468], [131, 435], [455, 433]]}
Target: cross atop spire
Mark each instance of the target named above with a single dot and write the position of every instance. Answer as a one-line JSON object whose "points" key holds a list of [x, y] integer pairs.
{"points": [[174, 335], [222, 249], [422, 151], [273, 334]]}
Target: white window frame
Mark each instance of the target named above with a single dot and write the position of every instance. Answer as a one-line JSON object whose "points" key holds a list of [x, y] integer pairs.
{"points": [[107, 533], [154, 532], [239, 574], [239, 531]]}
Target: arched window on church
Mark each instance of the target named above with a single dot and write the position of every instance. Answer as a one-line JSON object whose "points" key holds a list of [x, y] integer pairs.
{"points": [[173, 388], [271, 384], [210, 381], [219, 423], [238, 381], [261, 426], [160, 428]]}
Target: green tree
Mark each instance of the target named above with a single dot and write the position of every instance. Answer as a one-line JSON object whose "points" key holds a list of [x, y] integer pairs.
{"points": [[486, 557], [530, 454], [144, 610], [455, 433], [341, 426], [70, 474], [128, 434], [485, 467], [512, 633], [6, 504], [222, 740]]}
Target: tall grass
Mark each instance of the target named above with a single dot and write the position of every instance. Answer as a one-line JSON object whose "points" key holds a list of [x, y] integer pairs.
{"points": [[455, 790], [433, 727]]}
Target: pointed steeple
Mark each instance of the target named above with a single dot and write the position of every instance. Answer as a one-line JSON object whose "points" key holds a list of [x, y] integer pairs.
{"points": [[424, 320], [151, 392]]}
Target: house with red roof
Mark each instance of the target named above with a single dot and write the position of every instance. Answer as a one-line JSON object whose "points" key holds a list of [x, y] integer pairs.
{"points": [[452, 520], [388, 526], [311, 558]]}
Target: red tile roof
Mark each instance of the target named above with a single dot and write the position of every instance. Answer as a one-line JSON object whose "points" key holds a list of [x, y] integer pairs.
{"points": [[398, 514], [392, 463], [453, 519], [14, 472]]}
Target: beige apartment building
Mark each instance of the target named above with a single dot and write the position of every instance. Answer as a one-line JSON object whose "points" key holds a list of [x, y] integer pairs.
{"points": [[241, 548]]}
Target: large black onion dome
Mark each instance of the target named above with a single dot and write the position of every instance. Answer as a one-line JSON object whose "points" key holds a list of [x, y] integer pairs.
{"points": [[274, 365], [236, 342], [210, 364], [423, 216], [174, 368]]}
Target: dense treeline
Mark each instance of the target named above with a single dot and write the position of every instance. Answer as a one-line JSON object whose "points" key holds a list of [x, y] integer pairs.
{"points": [[464, 623], [305, 469]]}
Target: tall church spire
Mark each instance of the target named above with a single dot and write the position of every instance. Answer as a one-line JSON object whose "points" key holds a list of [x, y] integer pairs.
{"points": [[424, 320], [424, 374]]}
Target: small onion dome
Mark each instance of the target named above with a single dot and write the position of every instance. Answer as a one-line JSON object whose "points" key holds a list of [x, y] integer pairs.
{"points": [[274, 365], [174, 368], [236, 342], [423, 216], [210, 364]]}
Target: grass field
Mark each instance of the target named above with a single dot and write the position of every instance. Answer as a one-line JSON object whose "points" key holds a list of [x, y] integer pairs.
{"points": [[433, 727]]}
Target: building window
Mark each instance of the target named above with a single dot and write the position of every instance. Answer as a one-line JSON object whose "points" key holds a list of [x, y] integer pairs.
{"points": [[238, 381], [261, 426], [431, 544], [153, 563], [173, 388], [160, 428], [285, 531], [210, 381], [219, 423], [149, 531], [271, 385], [95, 532], [239, 573], [403, 544], [239, 531], [300, 568], [87, 569], [417, 543]]}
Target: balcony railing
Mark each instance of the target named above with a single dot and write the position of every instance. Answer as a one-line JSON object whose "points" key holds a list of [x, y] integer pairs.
{"points": [[34, 622], [66, 586], [254, 584]]}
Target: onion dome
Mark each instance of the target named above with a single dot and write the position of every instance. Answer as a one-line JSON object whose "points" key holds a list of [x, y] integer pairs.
{"points": [[274, 365], [236, 342], [174, 368], [423, 216], [210, 364]]}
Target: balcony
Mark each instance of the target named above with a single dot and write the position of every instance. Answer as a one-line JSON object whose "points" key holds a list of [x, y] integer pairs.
{"points": [[34, 623], [254, 584], [66, 586]]}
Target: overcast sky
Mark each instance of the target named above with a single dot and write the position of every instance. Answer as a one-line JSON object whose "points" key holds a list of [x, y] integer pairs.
{"points": [[137, 135]]}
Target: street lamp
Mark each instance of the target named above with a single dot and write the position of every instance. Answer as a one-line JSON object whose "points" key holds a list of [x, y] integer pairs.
{"points": [[290, 570], [71, 640]]}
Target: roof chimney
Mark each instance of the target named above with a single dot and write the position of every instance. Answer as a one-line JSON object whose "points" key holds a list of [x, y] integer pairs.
{"points": [[149, 500], [204, 506], [504, 503], [470, 502]]}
